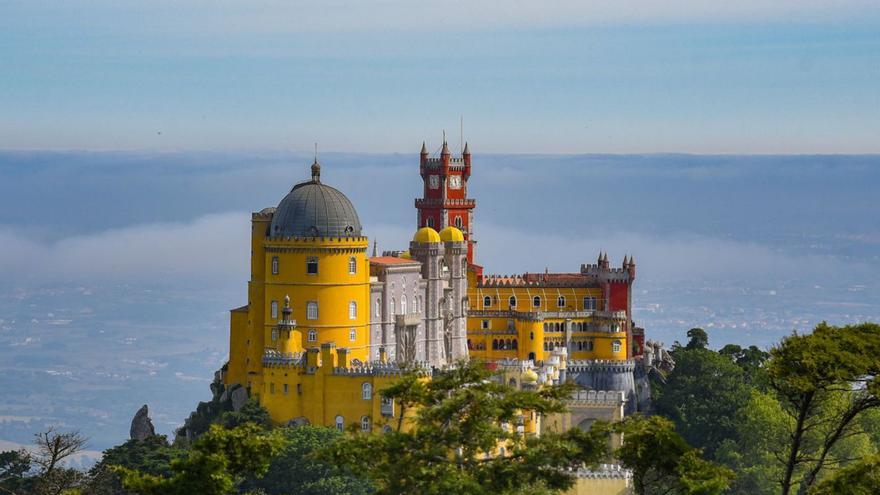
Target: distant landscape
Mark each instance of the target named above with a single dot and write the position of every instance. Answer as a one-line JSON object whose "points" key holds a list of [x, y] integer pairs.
{"points": [[117, 269]]}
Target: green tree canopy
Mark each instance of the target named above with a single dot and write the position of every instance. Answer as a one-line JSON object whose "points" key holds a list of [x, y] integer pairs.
{"points": [[832, 369], [702, 395], [663, 463], [216, 463], [297, 471], [699, 339]]}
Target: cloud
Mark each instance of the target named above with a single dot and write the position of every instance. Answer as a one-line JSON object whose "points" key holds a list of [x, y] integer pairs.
{"points": [[669, 258], [210, 247]]}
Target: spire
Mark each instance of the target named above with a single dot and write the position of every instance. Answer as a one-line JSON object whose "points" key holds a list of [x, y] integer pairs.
{"points": [[424, 149], [445, 150], [375, 248], [625, 261], [316, 167], [467, 150], [599, 261]]}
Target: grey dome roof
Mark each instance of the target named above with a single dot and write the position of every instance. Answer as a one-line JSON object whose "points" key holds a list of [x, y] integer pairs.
{"points": [[312, 209]]}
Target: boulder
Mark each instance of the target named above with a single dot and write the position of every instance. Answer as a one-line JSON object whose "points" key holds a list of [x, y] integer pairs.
{"points": [[239, 397], [141, 426]]}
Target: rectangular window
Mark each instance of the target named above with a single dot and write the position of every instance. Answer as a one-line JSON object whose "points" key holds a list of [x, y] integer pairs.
{"points": [[312, 265], [352, 310], [299, 389], [352, 265], [484, 324], [274, 265], [312, 310], [274, 309], [274, 334], [286, 389], [271, 388], [589, 304]]}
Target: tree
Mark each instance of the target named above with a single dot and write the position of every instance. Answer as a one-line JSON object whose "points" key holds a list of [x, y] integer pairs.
{"points": [[216, 463], [51, 450], [296, 469], [663, 463], [250, 412], [702, 396], [14, 466], [699, 339], [151, 455], [861, 478], [461, 438], [750, 359], [809, 373]]}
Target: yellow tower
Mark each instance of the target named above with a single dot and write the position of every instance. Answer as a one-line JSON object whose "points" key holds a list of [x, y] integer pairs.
{"points": [[309, 284]]}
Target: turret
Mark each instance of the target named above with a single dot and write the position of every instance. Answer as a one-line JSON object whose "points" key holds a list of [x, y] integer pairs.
{"points": [[424, 154], [466, 157]]}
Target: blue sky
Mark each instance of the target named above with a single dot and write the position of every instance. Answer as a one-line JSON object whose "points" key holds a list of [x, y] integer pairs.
{"points": [[557, 77]]}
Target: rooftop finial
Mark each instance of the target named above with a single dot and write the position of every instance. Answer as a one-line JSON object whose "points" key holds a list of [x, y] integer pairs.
{"points": [[467, 150], [424, 148], [375, 248], [445, 150], [316, 168]]}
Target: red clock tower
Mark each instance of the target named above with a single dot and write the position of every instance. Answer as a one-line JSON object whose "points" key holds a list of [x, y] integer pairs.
{"points": [[444, 201]]}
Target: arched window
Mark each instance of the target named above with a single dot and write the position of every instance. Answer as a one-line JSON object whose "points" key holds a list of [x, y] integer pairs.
{"points": [[531, 335], [312, 310], [367, 391], [494, 344], [443, 268], [513, 343], [560, 301], [589, 304], [340, 423], [274, 334], [531, 356], [512, 302], [403, 304], [378, 307], [393, 306], [313, 335], [365, 423], [403, 284], [352, 335], [352, 265], [429, 222], [352, 310], [487, 301], [615, 346], [274, 265], [507, 345], [470, 344], [458, 222], [273, 309], [536, 301], [416, 304]]}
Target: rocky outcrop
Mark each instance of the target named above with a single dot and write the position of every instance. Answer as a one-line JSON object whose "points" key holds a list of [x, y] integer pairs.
{"points": [[141, 425], [223, 399]]}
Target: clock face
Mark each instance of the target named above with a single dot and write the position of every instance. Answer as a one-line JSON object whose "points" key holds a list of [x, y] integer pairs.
{"points": [[434, 181], [455, 182]]}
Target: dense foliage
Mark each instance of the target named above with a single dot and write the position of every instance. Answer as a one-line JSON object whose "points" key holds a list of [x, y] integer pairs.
{"points": [[785, 421]]}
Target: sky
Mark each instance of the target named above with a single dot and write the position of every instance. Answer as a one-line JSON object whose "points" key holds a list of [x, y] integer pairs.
{"points": [[638, 76]]}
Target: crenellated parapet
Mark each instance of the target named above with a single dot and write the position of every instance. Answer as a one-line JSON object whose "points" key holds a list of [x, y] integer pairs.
{"points": [[603, 365], [597, 398], [388, 369], [603, 471]]}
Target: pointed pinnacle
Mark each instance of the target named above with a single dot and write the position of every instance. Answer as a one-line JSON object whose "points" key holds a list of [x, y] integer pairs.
{"points": [[424, 148]]}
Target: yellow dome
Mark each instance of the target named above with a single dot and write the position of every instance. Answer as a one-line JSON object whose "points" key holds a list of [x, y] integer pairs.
{"points": [[426, 235], [405, 255], [451, 234], [529, 376]]}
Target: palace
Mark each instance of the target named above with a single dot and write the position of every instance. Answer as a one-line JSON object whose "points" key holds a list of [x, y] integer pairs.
{"points": [[327, 326]]}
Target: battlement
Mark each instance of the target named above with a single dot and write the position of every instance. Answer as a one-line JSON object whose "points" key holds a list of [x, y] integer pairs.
{"points": [[377, 368], [263, 215], [272, 357], [604, 471], [316, 240], [445, 203], [606, 365], [598, 397], [617, 316]]}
